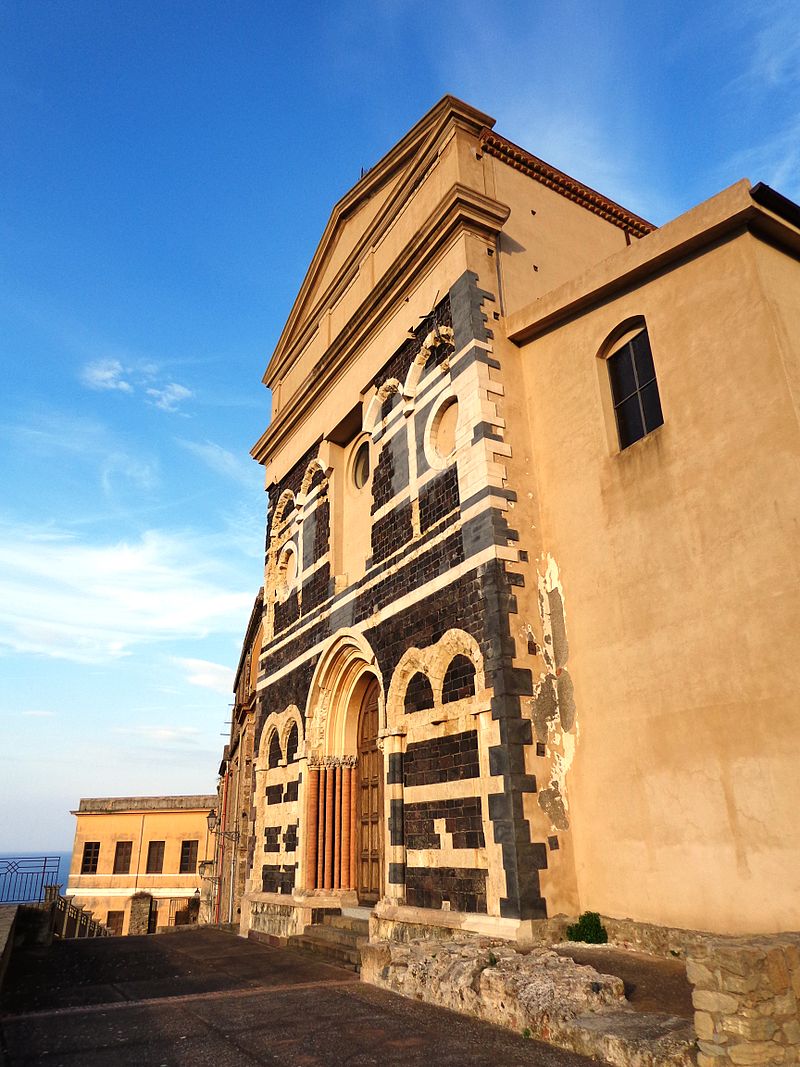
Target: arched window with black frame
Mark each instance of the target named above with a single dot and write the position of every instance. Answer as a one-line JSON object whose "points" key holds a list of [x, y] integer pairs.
{"points": [[634, 389]]}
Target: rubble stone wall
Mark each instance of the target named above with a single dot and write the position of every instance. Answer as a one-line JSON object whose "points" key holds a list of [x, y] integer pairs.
{"points": [[746, 992], [536, 992]]}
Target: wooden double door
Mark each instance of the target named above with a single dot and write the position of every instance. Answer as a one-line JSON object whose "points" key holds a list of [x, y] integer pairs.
{"points": [[369, 813]]}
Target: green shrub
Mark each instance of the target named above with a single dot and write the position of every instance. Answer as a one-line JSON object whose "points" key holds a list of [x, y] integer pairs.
{"points": [[589, 929]]}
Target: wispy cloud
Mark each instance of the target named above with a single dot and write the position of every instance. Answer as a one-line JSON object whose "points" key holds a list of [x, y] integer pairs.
{"points": [[39, 714], [169, 397], [143, 376], [67, 599], [207, 675], [52, 432], [775, 160], [221, 461], [775, 60], [769, 85], [143, 472], [106, 374], [47, 431], [166, 734]]}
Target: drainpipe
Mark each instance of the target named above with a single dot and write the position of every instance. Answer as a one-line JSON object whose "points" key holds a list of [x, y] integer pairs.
{"points": [[233, 875], [221, 843]]}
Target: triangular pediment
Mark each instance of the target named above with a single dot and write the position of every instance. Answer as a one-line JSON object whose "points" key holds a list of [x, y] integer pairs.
{"points": [[359, 219]]}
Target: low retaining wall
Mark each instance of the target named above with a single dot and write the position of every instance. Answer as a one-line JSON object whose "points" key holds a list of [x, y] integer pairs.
{"points": [[746, 993], [536, 992], [8, 915]]}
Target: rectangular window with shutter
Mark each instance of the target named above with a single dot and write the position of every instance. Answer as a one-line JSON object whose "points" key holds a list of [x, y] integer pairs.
{"points": [[91, 855], [188, 857], [122, 857], [155, 857]]}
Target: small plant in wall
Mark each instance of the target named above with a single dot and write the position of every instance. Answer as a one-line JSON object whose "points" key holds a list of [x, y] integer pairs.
{"points": [[589, 929]]}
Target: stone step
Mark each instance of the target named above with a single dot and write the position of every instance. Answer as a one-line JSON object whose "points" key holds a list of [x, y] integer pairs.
{"points": [[329, 951], [347, 922], [335, 935]]}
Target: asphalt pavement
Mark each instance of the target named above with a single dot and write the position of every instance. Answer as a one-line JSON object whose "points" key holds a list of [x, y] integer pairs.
{"points": [[206, 997]]}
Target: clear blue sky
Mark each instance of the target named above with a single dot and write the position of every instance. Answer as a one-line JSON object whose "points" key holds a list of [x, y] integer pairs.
{"points": [[167, 169]]}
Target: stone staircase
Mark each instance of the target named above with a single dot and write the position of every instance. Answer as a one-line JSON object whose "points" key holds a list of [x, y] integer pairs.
{"points": [[337, 939]]}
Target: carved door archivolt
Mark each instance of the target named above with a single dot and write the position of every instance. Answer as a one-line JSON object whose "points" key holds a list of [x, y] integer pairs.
{"points": [[370, 802]]}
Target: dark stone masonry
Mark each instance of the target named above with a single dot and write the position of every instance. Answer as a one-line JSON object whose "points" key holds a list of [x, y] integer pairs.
{"points": [[464, 888], [418, 543], [463, 820], [442, 759]]}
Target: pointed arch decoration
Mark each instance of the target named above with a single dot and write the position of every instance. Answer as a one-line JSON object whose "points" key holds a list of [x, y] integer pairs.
{"points": [[433, 662], [375, 414], [286, 504], [432, 344], [314, 473]]}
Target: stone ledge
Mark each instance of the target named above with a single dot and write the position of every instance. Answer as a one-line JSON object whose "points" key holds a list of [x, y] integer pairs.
{"points": [[539, 992]]}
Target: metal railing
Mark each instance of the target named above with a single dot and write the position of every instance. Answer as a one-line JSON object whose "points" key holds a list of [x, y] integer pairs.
{"points": [[23, 878], [70, 920]]}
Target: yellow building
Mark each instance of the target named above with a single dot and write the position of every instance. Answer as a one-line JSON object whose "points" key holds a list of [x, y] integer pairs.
{"points": [[140, 853]]}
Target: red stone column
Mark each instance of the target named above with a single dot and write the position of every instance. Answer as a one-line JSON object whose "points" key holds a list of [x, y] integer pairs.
{"points": [[312, 816], [347, 774], [354, 801], [337, 829], [323, 773], [330, 784]]}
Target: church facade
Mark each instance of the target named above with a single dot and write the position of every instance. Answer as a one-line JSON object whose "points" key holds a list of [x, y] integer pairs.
{"points": [[531, 557]]}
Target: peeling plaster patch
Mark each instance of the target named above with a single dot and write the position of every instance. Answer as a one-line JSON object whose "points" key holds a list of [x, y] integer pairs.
{"points": [[552, 706], [565, 695], [552, 804], [544, 707], [558, 627]]}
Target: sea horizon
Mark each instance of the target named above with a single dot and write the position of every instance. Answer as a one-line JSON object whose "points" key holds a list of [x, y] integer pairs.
{"points": [[64, 858]]}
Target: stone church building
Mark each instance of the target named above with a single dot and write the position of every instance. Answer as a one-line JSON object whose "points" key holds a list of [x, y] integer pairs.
{"points": [[531, 613]]}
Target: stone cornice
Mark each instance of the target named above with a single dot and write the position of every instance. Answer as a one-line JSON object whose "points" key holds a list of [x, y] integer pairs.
{"points": [[461, 208], [507, 152]]}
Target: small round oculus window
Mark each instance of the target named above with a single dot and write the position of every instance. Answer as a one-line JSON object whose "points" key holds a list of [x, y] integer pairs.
{"points": [[361, 465]]}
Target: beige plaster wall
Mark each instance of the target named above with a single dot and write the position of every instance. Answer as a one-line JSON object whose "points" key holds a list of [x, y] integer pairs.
{"points": [[778, 274], [546, 231], [678, 560]]}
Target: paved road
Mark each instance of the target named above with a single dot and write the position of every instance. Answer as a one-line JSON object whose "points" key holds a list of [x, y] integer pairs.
{"points": [[210, 999]]}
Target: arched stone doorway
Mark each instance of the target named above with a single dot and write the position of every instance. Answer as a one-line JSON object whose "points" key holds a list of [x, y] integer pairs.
{"points": [[343, 813]]}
